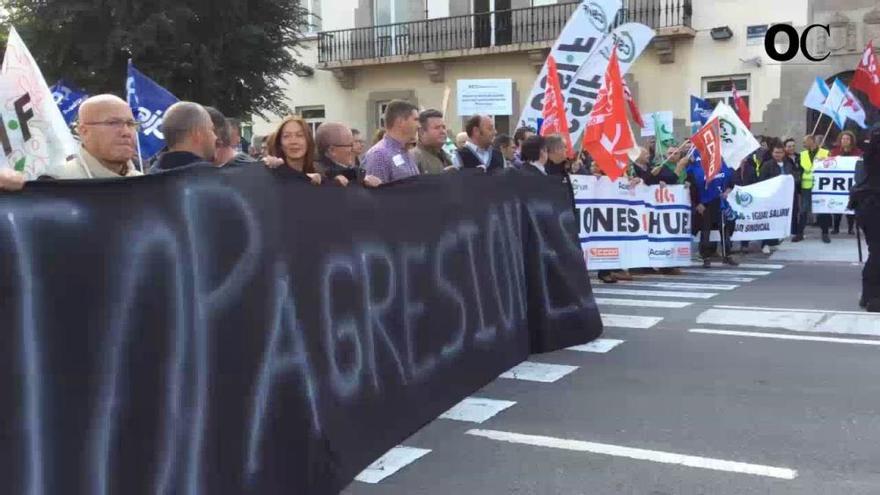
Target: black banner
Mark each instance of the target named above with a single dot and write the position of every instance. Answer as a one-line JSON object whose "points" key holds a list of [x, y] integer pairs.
{"points": [[236, 332]]}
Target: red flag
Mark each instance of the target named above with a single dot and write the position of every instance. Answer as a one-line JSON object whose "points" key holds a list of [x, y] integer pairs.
{"points": [[555, 119], [608, 136], [742, 108], [707, 141], [633, 107], [867, 77]]}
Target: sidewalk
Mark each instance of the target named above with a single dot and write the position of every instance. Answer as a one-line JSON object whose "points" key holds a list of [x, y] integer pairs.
{"points": [[843, 249]]}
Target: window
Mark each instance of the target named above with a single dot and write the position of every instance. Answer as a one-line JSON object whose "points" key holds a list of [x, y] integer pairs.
{"points": [[380, 113], [717, 89], [314, 116], [314, 17]]}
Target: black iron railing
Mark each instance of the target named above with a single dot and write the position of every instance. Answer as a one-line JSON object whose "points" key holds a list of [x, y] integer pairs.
{"points": [[498, 28]]}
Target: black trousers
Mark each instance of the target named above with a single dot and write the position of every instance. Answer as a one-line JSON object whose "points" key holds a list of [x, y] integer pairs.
{"points": [[824, 221], [710, 217], [849, 222], [869, 221]]}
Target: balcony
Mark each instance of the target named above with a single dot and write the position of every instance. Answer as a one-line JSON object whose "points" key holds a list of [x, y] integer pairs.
{"points": [[524, 29]]}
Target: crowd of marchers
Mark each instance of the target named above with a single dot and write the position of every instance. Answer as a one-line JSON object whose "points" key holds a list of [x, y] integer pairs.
{"points": [[414, 142]]}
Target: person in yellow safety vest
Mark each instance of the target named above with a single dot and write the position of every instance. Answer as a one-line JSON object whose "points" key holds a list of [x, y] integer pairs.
{"points": [[809, 155]]}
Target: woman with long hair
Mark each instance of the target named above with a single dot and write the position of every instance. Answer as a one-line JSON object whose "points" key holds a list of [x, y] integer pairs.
{"points": [[291, 148], [846, 146]]}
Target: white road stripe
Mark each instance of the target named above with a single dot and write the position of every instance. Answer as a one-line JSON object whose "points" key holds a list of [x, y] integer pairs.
{"points": [[630, 321], [476, 409], [598, 346], [606, 301], [783, 336], [655, 293], [748, 266], [704, 278], [761, 319], [796, 321], [638, 454], [801, 310], [538, 372], [676, 285], [393, 461], [743, 273]]}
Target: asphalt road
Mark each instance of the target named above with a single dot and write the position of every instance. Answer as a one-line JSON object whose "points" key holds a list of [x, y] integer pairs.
{"points": [[777, 393]]}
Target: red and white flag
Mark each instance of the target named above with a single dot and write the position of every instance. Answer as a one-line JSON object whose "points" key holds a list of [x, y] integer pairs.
{"points": [[707, 141], [742, 108], [867, 77], [555, 119], [609, 137], [634, 111]]}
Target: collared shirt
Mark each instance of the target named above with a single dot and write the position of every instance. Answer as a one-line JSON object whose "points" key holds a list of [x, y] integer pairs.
{"points": [[389, 161], [431, 161], [85, 166], [485, 155]]}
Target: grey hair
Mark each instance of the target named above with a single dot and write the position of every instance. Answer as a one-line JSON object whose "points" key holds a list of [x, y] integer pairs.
{"points": [[181, 119]]}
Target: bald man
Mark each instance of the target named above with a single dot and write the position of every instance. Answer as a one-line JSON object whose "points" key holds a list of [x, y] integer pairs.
{"points": [[336, 156], [107, 130], [189, 136]]}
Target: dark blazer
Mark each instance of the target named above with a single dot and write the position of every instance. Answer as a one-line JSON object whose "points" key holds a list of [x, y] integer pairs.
{"points": [[468, 159], [330, 169], [530, 169], [172, 160], [771, 169]]}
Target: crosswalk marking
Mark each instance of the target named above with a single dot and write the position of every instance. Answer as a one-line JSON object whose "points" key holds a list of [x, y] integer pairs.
{"points": [[655, 293], [795, 321], [796, 310], [538, 372], [783, 336], [476, 409], [393, 461], [744, 273], [630, 321], [676, 285], [637, 454], [636, 303], [598, 346], [699, 278], [749, 266]]}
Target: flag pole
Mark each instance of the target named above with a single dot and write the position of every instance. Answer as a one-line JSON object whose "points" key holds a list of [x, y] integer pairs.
{"points": [[137, 132], [816, 127]]}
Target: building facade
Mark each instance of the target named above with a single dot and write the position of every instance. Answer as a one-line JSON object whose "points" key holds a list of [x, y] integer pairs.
{"points": [[368, 52]]}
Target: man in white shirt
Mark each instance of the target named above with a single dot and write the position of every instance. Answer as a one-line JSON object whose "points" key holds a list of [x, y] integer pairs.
{"points": [[478, 151]]}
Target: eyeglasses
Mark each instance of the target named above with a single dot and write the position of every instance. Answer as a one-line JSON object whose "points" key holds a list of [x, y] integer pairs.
{"points": [[342, 145], [117, 125]]}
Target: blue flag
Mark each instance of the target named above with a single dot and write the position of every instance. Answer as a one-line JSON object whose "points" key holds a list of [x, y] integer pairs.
{"points": [[148, 101], [700, 111], [68, 98]]}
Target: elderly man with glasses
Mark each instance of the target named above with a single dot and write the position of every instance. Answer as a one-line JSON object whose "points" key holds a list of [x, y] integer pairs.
{"points": [[107, 131], [337, 158]]}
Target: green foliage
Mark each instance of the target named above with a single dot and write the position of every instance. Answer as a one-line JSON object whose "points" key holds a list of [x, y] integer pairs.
{"points": [[231, 54]]}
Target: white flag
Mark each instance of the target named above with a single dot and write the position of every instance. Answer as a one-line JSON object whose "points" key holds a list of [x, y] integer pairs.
{"points": [[631, 40], [834, 103], [851, 108], [817, 95], [579, 40], [737, 141], [36, 137]]}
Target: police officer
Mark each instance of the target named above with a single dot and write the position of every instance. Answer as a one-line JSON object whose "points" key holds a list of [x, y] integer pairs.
{"points": [[865, 200]]}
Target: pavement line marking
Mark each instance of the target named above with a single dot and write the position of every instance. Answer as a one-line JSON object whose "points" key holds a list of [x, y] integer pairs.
{"points": [[598, 346], [749, 266], [795, 321], [782, 336], [638, 454], [705, 278], [787, 320], [538, 372], [393, 461], [655, 293], [675, 285], [801, 310], [743, 273], [606, 301], [476, 409], [630, 321]]}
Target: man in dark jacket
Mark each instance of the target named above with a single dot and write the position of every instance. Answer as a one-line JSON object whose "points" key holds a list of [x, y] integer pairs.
{"points": [[189, 136], [336, 156], [478, 151]]}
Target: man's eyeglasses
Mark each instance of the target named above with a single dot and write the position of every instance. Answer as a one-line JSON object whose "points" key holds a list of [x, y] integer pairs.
{"points": [[342, 145], [117, 125]]}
